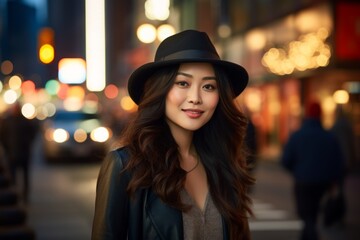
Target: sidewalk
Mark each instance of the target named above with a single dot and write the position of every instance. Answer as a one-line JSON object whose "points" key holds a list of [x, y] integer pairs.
{"points": [[274, 185]]}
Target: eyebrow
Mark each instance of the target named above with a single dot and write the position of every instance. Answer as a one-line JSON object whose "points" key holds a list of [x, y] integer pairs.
{"points": [[191, 76]]}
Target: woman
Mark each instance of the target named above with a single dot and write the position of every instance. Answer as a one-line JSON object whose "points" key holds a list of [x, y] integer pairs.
{"points": [[181, 173]]}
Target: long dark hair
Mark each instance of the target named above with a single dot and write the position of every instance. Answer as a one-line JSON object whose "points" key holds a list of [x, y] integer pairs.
{"points": [[155, 163]]}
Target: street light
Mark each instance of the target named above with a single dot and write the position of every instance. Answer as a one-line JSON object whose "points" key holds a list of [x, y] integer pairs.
{"points": [[147, 33]]}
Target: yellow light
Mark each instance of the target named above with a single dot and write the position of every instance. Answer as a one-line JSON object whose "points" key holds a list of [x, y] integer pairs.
{"points": [[76, 91], [253, 99], [15, 82], [164, 31], [127, 104], [341, 97], [46, 53], [95, 45], [256, 39], [146, 33], [328, 105], [309, 52]]}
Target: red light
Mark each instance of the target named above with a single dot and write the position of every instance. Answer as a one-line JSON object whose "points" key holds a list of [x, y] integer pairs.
{"points": [[63, 91], [111, 91], [28, 87]]}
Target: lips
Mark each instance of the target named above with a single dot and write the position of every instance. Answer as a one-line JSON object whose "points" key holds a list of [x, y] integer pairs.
{"points": [[193, 113]]}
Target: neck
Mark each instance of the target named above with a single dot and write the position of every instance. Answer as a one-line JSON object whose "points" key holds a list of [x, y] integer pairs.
{"points": [[183, 138]]}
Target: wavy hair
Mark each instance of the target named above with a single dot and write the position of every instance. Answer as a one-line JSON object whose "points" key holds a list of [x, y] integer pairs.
{"points": [[154, 157]]}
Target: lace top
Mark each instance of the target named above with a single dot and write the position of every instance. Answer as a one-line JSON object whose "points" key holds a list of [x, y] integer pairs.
{"points": [[200, 224]]}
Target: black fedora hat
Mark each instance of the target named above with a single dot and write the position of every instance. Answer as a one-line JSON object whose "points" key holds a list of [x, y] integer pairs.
{"points": [[186, 46]]}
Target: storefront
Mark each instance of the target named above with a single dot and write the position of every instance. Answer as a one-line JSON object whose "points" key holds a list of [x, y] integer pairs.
{"points": [[293, 61]]}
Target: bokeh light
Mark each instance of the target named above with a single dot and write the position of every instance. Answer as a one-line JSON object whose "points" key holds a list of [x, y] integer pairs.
{"points": [[341, 97], [52, 87], [100, 134], [80, 135], [111, 91], [28, 87], [146, 33], [7, 67], [15, 82], [157, 9], [46, 53], [28, 111], [72, 70], [10, 96], [60, 135], [164, 31], [127, 104]]}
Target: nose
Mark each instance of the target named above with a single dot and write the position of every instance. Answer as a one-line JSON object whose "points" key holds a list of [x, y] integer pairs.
{"points": [[194, 95]]}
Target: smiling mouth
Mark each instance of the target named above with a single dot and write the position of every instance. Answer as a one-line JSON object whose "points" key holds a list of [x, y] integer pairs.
{"points": [[193, 113]]}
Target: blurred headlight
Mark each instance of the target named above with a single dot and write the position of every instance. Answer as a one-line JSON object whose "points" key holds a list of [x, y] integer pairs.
{"points": [[80, 135], [100, 134], [60, 135]]}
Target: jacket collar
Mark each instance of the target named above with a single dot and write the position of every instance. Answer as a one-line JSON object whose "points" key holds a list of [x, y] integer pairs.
{"points": [[166, 220]]}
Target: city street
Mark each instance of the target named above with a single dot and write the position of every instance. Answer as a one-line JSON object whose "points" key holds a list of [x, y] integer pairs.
{"points": [[76, 73], [62, 200]]}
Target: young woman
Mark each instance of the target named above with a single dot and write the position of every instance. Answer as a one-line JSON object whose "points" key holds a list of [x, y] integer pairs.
{"points": [[181, 171]]}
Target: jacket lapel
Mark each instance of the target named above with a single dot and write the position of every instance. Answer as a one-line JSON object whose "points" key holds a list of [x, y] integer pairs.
{"points": [[166, 220]]}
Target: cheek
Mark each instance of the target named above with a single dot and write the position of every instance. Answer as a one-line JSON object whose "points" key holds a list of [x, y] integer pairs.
{"points": [[174, 97], [213, 101]]}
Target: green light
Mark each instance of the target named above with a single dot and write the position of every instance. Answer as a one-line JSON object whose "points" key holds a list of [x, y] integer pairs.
{"points": [[52, 87]]}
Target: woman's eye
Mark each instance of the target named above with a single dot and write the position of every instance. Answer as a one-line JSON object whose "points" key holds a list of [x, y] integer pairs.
{"points": [[182, 83], [209, 87]]}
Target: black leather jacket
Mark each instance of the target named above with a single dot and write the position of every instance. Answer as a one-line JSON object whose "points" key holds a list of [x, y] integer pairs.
{"points": [[119, 217]]}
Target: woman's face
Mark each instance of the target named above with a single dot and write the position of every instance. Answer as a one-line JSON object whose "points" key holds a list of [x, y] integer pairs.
{"points": [[192, 100]]}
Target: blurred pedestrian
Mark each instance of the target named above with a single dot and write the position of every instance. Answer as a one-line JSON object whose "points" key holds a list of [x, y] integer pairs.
{"points": [[181, 172], [344, 132], [17, 136], [313, 156]]}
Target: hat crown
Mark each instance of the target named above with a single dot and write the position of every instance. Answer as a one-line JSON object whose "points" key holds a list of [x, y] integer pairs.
{"points": [[189, 44], [186, 46]]}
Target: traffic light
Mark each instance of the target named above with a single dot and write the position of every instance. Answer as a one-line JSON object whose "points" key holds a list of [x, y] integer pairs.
{"points": [[46, 45]]}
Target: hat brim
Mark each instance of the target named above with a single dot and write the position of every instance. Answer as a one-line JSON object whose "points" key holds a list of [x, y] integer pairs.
{"points": [[237, 75]]}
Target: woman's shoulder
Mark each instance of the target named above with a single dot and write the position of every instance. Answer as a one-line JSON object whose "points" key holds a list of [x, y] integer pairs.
{"points": [[118, 156], [115, 160]]}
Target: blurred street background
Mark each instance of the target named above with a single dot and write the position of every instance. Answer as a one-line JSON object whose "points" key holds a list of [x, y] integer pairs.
{"points": [[62, 203], [64, 67]]}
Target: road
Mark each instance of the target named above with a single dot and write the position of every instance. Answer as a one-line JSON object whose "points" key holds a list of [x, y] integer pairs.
{"points": [[62, 201]]}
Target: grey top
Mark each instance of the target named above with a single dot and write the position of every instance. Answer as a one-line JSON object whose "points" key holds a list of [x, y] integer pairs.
{"points": [[201, 224]]}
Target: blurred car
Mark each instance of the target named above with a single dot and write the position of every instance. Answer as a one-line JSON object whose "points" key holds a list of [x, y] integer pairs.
{"points": [[70, 135]]}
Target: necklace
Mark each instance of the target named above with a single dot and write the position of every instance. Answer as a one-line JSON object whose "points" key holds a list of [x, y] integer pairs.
{"points": [[197, 164]]}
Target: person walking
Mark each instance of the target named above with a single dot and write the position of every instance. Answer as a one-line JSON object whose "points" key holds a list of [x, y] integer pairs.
{"points": [[180, 172], [313, 156], [17, 135]]}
